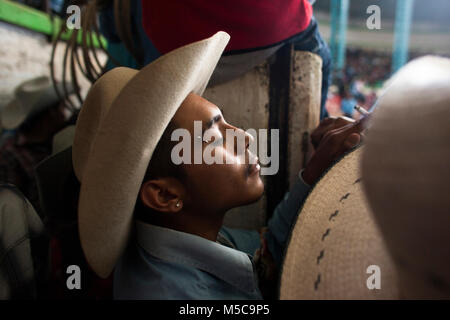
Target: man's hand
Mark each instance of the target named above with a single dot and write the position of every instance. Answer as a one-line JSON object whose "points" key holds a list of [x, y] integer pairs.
{"points": [[327, 125], [332, 144]]}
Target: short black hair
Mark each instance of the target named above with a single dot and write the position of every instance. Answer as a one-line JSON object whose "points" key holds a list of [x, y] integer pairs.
{"points": [[161, 164]]}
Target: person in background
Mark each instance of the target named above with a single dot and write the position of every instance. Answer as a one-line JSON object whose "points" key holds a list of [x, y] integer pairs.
{"points": [[161, 26], [347, 101], [33, 116]]}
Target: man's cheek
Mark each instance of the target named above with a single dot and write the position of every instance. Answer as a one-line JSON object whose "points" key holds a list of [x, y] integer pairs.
{"points": [[228, 174], [229, 157]]}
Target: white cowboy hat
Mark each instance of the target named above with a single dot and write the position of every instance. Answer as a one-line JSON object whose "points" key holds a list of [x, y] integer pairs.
{"points": [[112, 165], [336, 250], [30, 97], [406, 170]]}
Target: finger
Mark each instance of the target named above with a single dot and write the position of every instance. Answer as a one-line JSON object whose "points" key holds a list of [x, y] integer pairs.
{"points": [[327, 121], [343, 120], [338, 135], [356, 127], [362, 123], [324, 126], [341, 131], [342, 140], [351, 141]]}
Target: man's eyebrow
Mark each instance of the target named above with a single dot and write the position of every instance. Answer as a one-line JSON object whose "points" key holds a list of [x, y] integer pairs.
{"points": [[216, 119]]}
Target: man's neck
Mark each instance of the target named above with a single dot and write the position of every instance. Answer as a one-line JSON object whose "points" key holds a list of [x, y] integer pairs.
{"points": [[205, 226]]}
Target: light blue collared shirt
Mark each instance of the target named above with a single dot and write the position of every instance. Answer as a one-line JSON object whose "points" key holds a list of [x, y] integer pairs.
{"points": [[162, 263]]}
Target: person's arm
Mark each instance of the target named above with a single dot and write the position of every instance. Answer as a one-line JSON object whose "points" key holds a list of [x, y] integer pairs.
{"points": [[284, 215], [331, 140]]}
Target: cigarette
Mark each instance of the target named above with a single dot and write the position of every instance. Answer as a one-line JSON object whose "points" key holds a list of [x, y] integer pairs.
{"points": [[361, 110]]}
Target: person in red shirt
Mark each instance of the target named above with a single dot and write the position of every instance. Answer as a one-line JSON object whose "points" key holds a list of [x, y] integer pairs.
{"points": [[258, 28]]}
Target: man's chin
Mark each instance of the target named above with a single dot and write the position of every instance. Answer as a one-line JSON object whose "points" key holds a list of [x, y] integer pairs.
{"points": [[255, 192]]}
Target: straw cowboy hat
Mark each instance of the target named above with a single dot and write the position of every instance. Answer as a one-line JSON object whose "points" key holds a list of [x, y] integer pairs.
{"points": [[406, 169], [112, 149], [336, 250], [30, 98], [385, 204]]}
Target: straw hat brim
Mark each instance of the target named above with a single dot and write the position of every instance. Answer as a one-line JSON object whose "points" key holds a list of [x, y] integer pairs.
{"points": [[125, 141], [31, 97], [95, 108], [335, 240]]}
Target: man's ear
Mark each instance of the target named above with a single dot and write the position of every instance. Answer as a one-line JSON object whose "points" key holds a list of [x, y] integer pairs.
{"points": [[162, 194]]}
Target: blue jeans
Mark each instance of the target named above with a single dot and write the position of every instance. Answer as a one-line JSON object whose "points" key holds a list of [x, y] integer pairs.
{"points": [[310, 40]]}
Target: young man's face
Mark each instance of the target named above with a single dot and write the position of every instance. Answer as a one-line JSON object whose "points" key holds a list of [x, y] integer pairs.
{"points": [[217, 186]]}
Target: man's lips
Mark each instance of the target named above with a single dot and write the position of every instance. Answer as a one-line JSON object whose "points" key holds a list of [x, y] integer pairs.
{"points": [[253, 168]]}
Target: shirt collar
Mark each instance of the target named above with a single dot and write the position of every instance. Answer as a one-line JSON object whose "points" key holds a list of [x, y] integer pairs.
{"points": [[230, 265]]}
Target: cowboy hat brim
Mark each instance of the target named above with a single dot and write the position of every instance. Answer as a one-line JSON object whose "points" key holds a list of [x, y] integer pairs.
{"points": [[335, 242], [31, 97], [95, 108], [125, 141]]}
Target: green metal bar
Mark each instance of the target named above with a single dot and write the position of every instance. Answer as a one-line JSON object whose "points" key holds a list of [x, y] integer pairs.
{"points": [[25, 16], [35, 20]]}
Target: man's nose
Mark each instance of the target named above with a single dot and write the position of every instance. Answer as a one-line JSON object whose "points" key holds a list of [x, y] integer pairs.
{"points": [[248, 138]]}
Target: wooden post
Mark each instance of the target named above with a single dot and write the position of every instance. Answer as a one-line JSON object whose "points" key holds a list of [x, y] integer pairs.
{"points": [[279, 93], [304, 109]]}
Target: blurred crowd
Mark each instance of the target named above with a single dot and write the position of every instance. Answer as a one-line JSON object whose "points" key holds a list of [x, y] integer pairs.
{"points": [[359, 83]]}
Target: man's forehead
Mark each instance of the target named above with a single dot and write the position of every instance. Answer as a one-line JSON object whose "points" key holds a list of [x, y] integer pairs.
{"points": [[194, 100], [195, 108]]}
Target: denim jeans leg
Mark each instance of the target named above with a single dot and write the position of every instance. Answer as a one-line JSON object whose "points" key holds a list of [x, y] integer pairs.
{"points": [[325, 54], [310, 40]]}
